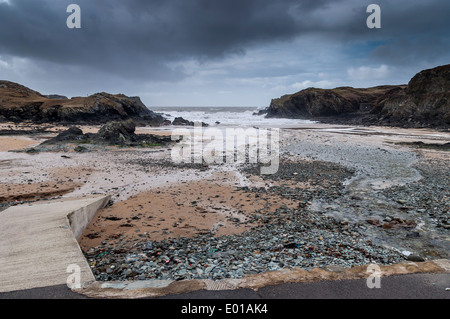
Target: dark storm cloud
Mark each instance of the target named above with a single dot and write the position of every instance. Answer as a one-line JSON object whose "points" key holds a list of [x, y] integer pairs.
{"points": [[416, 32], [138, 37], [145, 39]]}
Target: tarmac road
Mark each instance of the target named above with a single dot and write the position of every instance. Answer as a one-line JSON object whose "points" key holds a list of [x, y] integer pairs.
{"points": [[412, 286]]}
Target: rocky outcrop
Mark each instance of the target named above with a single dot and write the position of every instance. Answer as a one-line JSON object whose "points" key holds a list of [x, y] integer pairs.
{"points": [[183, 122], [117, 133], [19, 103], [424, 102], [313, 102], [71, 134]]}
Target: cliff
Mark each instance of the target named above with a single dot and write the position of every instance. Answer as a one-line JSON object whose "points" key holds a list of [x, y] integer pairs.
{"points": [[314, 102], [19, 103], [424, 102]]}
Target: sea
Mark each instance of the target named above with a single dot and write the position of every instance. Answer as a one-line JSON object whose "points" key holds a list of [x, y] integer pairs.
{"points": [[258, 143], [228, 116]]}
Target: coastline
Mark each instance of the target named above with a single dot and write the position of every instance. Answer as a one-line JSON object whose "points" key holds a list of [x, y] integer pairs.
{"points": [[165, 206]]}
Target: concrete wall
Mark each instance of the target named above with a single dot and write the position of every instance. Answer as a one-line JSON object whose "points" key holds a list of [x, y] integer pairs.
{"points": [[80, 218]]}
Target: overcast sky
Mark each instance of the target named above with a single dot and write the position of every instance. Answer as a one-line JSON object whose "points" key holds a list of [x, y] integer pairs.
{"points": [[217, 52]]}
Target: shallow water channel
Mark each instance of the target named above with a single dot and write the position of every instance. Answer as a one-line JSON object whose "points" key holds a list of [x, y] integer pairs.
{"points": [[376, 167]]}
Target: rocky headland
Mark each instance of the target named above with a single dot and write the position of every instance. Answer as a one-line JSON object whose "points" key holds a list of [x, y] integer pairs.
{"points": [[19, 103], [424, 102]]}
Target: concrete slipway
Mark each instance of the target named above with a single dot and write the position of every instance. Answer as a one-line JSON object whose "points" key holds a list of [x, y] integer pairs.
{"points": [[38, 243], [39, 249]]}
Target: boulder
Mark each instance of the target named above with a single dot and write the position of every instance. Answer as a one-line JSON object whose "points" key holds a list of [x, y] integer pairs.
{"points": [[182, 122], [72, 134], [117, 133]]}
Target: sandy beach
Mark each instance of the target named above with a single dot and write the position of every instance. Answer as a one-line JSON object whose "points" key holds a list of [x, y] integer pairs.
{"points": [[162, 204]]}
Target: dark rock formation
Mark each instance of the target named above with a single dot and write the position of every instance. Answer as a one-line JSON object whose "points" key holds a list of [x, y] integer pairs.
{"points": [[118, 133], [19, 103], [314, 103], [70, 135], [183, 122], [424, 102]]}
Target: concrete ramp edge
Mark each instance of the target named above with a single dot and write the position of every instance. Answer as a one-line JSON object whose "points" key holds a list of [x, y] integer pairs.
{"points": [[38, 243]]}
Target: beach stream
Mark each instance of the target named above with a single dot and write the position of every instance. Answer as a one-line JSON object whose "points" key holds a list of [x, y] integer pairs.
{"points": [[377, 167]]}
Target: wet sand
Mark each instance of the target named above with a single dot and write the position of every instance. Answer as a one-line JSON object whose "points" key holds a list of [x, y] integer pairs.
{"points": [[181, 210], [8, 143], [34, 191]]}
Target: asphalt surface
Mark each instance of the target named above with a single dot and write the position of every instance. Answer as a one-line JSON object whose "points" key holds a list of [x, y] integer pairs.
{"points": [[413, 286]]}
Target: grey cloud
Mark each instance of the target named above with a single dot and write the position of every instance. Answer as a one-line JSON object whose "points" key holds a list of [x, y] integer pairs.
{"points": [[142, 39]]}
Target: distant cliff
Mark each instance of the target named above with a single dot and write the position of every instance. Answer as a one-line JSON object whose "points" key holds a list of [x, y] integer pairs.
{"points": [[424, 102], [19, 103]]}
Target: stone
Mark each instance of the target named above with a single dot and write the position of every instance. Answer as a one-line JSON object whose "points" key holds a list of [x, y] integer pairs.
{"points": [[71, 134], [415, 258], [117, 132], [199, 271], [181, 121], [130, 273], [182, 272]]}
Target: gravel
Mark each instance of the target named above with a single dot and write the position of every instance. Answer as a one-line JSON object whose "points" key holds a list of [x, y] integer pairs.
{"points": [[287, 238]]}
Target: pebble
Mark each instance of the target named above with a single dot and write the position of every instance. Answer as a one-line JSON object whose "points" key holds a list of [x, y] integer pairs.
{"points": [[309, 239], [266, 248], [415, 258]]}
